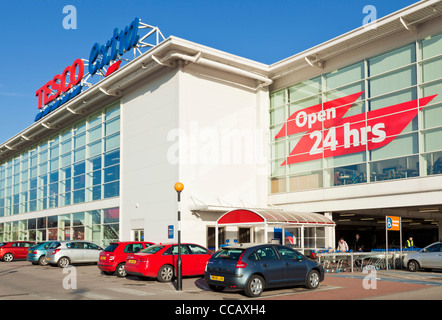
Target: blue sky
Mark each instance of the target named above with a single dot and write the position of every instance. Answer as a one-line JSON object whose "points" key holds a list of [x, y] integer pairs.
{"points": [[34, 46]]}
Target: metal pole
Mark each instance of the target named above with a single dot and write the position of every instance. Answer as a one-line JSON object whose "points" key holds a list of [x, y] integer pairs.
{"points": [[179, 262], [386, 244], [400, 239]]}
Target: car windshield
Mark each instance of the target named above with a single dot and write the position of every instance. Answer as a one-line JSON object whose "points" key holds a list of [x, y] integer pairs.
{"points": [[111, 247], [228, 253], [152, 249]]}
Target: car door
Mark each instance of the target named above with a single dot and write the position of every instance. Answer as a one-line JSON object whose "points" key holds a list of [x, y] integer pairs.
{"points": [[186, 259], [271, 266], [199, 256], [431, 256], [75, 251], [295, 264], [91, 252], [15, 249], [24, 246]]}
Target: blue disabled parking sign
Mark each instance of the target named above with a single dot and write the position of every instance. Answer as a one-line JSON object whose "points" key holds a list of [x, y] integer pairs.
{"points": [[170, 231]]}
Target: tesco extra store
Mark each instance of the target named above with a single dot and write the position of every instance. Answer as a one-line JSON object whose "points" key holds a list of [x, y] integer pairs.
{"points": [[323, 144]]}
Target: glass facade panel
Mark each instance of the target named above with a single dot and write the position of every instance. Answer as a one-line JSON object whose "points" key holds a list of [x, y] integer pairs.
{"points": [[44, 176], [97, 226], [369, 139]]}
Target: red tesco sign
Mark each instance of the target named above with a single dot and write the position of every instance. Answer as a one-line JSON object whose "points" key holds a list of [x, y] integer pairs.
{"points": [[70, 77]]}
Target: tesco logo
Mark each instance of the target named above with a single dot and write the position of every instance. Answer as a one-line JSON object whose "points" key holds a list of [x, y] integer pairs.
{"points": [[66, 85], [61, 83]]}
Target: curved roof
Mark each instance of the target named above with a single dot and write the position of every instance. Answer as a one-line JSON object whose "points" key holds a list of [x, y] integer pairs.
{"points": [[273, 216]]}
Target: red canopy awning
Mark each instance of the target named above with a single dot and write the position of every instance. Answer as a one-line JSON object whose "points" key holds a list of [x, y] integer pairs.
{"points": [[274, 217]]}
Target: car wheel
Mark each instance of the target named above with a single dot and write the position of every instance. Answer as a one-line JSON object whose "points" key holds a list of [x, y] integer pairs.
{"points": [[413, 266], [120, 271], [8, 257], [42, 261], [165, 274], [255, 286], [312, 281], [63, 262]]}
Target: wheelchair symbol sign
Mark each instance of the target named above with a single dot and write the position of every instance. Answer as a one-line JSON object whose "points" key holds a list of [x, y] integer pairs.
{"points": [[393, 223]]}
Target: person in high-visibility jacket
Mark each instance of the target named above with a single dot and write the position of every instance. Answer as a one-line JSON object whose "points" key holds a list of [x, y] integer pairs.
{"points": [[409, 244]]}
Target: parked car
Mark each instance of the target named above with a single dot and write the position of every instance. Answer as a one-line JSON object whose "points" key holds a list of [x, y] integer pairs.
{"points": [[429, 257], [113, 258], [15, 250], [160, 260], [254, 268], [65, 253], [37, 253]]}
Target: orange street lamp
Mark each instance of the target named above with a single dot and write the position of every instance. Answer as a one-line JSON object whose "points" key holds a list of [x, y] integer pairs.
{"points": [[178, 188]]}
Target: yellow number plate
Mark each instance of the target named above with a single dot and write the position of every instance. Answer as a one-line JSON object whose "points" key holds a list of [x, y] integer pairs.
{"points": [[132, 261], [217, 278], [103, 257]]}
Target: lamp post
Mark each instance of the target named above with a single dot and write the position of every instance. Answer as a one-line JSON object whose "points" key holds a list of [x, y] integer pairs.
{"points": [[178, 188]]}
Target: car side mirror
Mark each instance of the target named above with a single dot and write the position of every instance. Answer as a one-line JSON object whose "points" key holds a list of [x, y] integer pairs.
{"points": [[299, 257], [424, 250]]}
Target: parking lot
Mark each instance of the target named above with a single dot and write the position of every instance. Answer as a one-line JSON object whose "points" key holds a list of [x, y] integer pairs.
{"points": [[20, 280]]}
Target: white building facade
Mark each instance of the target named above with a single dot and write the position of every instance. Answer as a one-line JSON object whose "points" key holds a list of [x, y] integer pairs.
{"points": [[241, 134]]}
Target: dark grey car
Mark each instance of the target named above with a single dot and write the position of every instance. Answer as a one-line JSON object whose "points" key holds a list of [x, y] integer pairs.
{"points": [[254, 268]]}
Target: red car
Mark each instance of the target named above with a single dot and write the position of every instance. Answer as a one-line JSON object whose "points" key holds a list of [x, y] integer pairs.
{"points": [[160, 261], [113, 258], [15, 250]]}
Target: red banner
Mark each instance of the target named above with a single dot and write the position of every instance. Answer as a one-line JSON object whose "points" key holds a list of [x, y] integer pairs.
{"points": [[328, 135]]}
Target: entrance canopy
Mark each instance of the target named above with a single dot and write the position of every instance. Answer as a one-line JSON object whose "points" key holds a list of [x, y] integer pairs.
{"points": [[264, 218], [273, 217]]}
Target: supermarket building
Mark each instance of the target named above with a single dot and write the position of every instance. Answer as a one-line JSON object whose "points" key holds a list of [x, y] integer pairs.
{"points": [[320, 145]]}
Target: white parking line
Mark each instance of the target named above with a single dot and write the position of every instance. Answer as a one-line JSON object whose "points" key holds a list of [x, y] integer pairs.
{"points": [[131, 291]]}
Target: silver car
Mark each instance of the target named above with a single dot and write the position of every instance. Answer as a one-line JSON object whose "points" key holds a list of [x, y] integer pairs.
{"points": [[429, 257], [65, 253]]}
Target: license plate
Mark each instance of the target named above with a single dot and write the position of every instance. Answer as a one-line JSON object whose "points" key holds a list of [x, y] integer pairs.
{"points": [[217, 278], [103, 257], [132, 261]]}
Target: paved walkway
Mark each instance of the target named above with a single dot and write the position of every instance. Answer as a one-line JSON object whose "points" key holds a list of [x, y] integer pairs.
{"points": [[391, 285]]}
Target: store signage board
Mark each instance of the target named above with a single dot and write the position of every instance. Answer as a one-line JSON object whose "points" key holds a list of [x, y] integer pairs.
{"points": [[75, 78], [393, 223], [327, 134]]}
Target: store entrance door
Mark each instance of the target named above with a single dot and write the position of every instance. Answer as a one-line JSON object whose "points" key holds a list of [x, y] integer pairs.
{"points": [[243, 235]]}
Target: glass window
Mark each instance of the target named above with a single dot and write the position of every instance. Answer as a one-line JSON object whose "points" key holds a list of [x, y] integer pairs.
{"points": [[393, 81], [402, 145], [305, 89], [94, 134], [112, 126], [112, 173], [392, 60], [267, 253], [287, 253], [112, 142], [345, 75], [111, 158], [277, 99], [431, 46], [111, 189]]}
